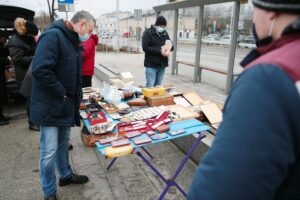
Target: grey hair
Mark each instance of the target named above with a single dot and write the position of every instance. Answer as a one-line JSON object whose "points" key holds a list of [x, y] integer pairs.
{"points": [[82, 16]]}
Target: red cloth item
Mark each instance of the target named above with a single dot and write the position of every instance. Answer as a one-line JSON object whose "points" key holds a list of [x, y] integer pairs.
{"points": [[88, 55]]}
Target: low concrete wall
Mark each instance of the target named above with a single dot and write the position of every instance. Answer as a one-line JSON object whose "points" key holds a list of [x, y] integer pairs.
{"points": [[103, 73]]}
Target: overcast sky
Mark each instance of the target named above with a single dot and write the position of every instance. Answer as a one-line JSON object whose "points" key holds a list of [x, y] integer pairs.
{"points": [[96, 7]]}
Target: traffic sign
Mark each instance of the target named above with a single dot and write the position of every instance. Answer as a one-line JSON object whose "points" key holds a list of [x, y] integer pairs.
{"points": [[65, 1], [66, 8]]}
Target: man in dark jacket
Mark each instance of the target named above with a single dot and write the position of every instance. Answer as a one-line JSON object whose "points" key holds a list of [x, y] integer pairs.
{"points": [[256, 152], [156, 58], [55, 97]]}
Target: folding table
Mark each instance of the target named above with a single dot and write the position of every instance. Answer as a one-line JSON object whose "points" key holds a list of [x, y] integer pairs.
{"points": [[191, 126]]}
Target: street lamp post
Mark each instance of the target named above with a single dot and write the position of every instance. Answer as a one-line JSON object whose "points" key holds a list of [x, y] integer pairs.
{"points": [[118, 25]]}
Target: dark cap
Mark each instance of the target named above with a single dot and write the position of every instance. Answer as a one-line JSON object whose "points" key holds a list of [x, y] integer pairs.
{"points": [[161, 21], [288, 6]]}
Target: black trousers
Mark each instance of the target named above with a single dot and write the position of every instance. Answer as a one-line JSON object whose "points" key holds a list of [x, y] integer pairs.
{"points": [[2, 89], [86, 81], [2, 85]]}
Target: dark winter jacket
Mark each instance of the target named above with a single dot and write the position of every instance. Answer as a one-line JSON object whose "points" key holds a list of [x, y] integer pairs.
{"points": [[26, 85], [21, 50], [56, 71], [3, 58], [3, 62], [256, 152], [88, 55], [152, 42]]}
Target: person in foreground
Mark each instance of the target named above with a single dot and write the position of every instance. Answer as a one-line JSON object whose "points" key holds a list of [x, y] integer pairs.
{"points": [[55, 97], [256, 152]]}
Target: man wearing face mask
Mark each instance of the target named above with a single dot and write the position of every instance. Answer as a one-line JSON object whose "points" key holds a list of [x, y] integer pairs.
{"points": [[156, 59], [256, 152], [55, 97]]}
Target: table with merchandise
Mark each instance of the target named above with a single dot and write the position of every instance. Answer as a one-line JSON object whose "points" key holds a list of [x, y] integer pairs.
{"points": [[128, 126]]}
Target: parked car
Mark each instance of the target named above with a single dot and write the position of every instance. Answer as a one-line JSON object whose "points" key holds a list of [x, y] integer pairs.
{"points": [[225, 40], [210, 39], [247, 44]]}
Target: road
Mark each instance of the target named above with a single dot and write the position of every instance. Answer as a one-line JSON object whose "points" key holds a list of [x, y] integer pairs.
{"points": [[215, 56]]}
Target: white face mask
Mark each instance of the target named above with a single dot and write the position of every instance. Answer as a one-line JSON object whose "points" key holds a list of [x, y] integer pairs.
{"points": [[160, 29]]}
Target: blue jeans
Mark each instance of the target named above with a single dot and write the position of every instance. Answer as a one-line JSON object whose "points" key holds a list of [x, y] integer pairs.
{"points": [[154, 76], [54, 152]]}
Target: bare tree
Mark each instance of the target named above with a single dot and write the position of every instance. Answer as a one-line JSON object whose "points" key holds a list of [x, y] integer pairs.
{"points": [[52, 9], [42, 20]]}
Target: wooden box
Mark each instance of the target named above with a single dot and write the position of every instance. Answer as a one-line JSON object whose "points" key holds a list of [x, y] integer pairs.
{"points": [[160, 100]]}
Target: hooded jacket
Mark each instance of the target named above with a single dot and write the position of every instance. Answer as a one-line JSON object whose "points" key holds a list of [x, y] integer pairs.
{"points": [[256, 152], [56, 71], [21, 50], [152, 42], [88, 55]]}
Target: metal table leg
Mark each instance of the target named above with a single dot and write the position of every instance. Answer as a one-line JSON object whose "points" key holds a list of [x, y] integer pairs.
{"points": [[147, 152], [111, 163], [172, 181]]}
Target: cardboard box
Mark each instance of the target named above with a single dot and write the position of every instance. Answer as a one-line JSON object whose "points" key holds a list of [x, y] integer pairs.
{"points": [[154, 91], [193, 98], [181, 101], [183, 112], [213, 114], [160, 100], [188, 99]]}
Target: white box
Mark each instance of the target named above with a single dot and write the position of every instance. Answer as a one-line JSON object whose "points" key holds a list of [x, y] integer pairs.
{"points": [[126, 77]]}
